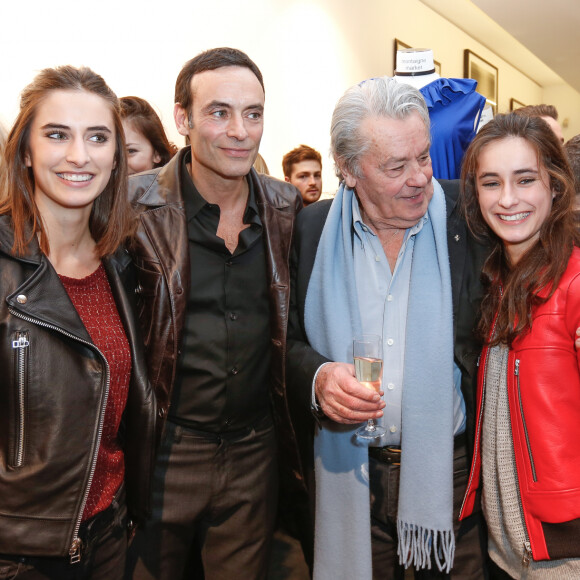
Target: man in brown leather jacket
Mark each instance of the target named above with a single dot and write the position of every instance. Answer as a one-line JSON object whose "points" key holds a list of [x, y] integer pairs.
{"points": [[212, 255]]}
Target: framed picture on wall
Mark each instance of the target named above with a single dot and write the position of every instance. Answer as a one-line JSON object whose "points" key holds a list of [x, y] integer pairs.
{"points": [[400, 45], [514, 104], [486, 75]]}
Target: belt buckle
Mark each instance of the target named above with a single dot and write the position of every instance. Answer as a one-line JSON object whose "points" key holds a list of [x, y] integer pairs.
{"points": [[395, 451]]}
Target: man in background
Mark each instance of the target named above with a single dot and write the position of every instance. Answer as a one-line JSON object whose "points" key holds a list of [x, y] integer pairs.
{"points": [[547, 112], [572, 148], [303, 168]]}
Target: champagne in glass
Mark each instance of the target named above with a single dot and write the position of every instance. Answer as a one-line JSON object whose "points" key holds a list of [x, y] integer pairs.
{"points": [[368, 365]]}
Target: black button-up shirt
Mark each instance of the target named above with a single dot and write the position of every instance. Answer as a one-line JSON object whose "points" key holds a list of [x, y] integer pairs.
{"points": [[222, 381]]}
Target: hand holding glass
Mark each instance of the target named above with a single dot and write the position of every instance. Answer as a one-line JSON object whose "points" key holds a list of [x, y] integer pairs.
{"points": [[368, 366]]}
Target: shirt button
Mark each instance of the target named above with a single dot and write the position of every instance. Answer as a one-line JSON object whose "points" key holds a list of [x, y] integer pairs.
{"points": [[390, 298], [229, 263], [390, 342], [393, 429], [391, 386], [22, 299], [234, 371], [228, 422], [233, 316], [377, 258]]}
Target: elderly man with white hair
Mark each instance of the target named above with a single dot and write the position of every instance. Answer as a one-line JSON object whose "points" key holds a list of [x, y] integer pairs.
{"points": [[390, 256]]}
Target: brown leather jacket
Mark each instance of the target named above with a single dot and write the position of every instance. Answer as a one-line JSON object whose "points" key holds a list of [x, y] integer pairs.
{"points": [[161, 254]]}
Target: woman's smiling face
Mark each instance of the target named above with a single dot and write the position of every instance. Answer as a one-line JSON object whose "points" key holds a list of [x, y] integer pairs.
{"points": [[514, 193], [71, 150]]}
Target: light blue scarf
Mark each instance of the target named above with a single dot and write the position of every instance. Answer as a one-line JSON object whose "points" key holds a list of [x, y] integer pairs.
{"points": [[332, 318]]}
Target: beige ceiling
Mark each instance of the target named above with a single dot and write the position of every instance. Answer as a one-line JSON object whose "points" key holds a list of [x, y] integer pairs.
{"points": [[538, 37]]}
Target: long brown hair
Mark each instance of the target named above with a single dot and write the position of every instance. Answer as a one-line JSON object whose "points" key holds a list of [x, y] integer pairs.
{"points": [[146, 121], [514, 290], [110, 222]]}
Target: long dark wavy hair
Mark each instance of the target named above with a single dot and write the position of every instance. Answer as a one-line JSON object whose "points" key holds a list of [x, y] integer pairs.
{"points": [[111, 220], [513, 290]]}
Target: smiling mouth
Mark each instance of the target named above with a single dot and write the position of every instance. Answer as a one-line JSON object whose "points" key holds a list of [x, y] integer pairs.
{"points": [[76, 177], [514, 217], [237, 152]]}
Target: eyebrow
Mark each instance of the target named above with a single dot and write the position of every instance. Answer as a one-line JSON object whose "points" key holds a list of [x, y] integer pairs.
{"points": [[66, 127], [224, 105], [404, 159], [516, 172]]}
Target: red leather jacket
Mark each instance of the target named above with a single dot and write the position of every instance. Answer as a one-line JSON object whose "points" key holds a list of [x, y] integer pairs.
{"points": [[544, 405]]}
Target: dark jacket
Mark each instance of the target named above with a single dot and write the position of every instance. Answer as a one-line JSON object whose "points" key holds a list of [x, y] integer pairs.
{"points": [[52, 399], [466, 258], [543, 384], [162, 258]]}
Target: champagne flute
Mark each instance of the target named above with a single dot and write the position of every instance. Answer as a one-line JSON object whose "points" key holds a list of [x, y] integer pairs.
{"points": [[368, 366]]}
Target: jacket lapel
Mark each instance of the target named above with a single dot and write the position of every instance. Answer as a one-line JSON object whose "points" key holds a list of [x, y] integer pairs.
{"points": [[43, 298]]}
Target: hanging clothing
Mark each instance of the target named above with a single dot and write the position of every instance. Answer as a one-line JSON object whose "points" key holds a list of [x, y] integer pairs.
{"points": [[455, 110]]}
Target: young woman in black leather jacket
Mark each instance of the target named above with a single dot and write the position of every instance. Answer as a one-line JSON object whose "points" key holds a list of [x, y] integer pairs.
{"points": [[77, 413]]}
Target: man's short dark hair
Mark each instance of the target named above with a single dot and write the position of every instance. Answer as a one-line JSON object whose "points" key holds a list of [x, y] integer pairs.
{"points": [[301, 153], [572, 148], [211, 59], [538, 111]]}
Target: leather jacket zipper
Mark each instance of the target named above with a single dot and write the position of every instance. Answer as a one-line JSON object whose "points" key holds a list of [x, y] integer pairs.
{"points": [[530, 456], [20, 345], [527, 554], [76, 543]]}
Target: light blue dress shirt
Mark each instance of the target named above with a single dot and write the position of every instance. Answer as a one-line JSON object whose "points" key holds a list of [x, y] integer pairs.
{"points": [[383, 299]]}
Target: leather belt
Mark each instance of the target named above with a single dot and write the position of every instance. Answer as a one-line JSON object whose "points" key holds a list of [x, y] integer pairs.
{"points": [[391, 454]]}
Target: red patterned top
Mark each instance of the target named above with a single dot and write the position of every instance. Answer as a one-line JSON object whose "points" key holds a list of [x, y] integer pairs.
{"points": [[93, 300]]}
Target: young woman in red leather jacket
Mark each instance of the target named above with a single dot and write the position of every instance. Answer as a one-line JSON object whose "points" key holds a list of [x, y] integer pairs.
{"points": [[77, 413], [518, 192]]}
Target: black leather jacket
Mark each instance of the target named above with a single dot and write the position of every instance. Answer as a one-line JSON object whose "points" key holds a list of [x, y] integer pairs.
{"points": [[53, 389]]}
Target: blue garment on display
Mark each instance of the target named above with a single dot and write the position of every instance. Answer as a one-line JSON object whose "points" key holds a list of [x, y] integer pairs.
{"points": [[454, 109]]}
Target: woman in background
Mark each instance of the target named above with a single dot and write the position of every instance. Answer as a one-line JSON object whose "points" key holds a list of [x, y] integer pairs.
{"points": [[518, 193], [147, 144], [77, 413]]}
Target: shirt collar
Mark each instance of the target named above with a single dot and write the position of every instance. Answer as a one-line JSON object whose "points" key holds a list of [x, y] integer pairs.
{"points": [[361, 228], [195, 202]]}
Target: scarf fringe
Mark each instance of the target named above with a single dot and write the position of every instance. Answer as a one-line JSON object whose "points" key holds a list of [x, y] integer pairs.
{"points": [[415, 543]]}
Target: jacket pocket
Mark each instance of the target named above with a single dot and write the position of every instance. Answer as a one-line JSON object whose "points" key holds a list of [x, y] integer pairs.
{"points": [[148, 294], [523, 418], [20, 347]]}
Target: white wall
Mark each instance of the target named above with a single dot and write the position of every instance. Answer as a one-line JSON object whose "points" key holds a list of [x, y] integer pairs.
{"points": [[309, 53]]}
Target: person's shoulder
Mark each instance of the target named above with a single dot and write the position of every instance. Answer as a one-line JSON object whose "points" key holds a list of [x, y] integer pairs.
{"points": [[158, 186], [310, 223], [276, 192], [451, 188], [314, 213], [139, 183], [573, 268]]}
